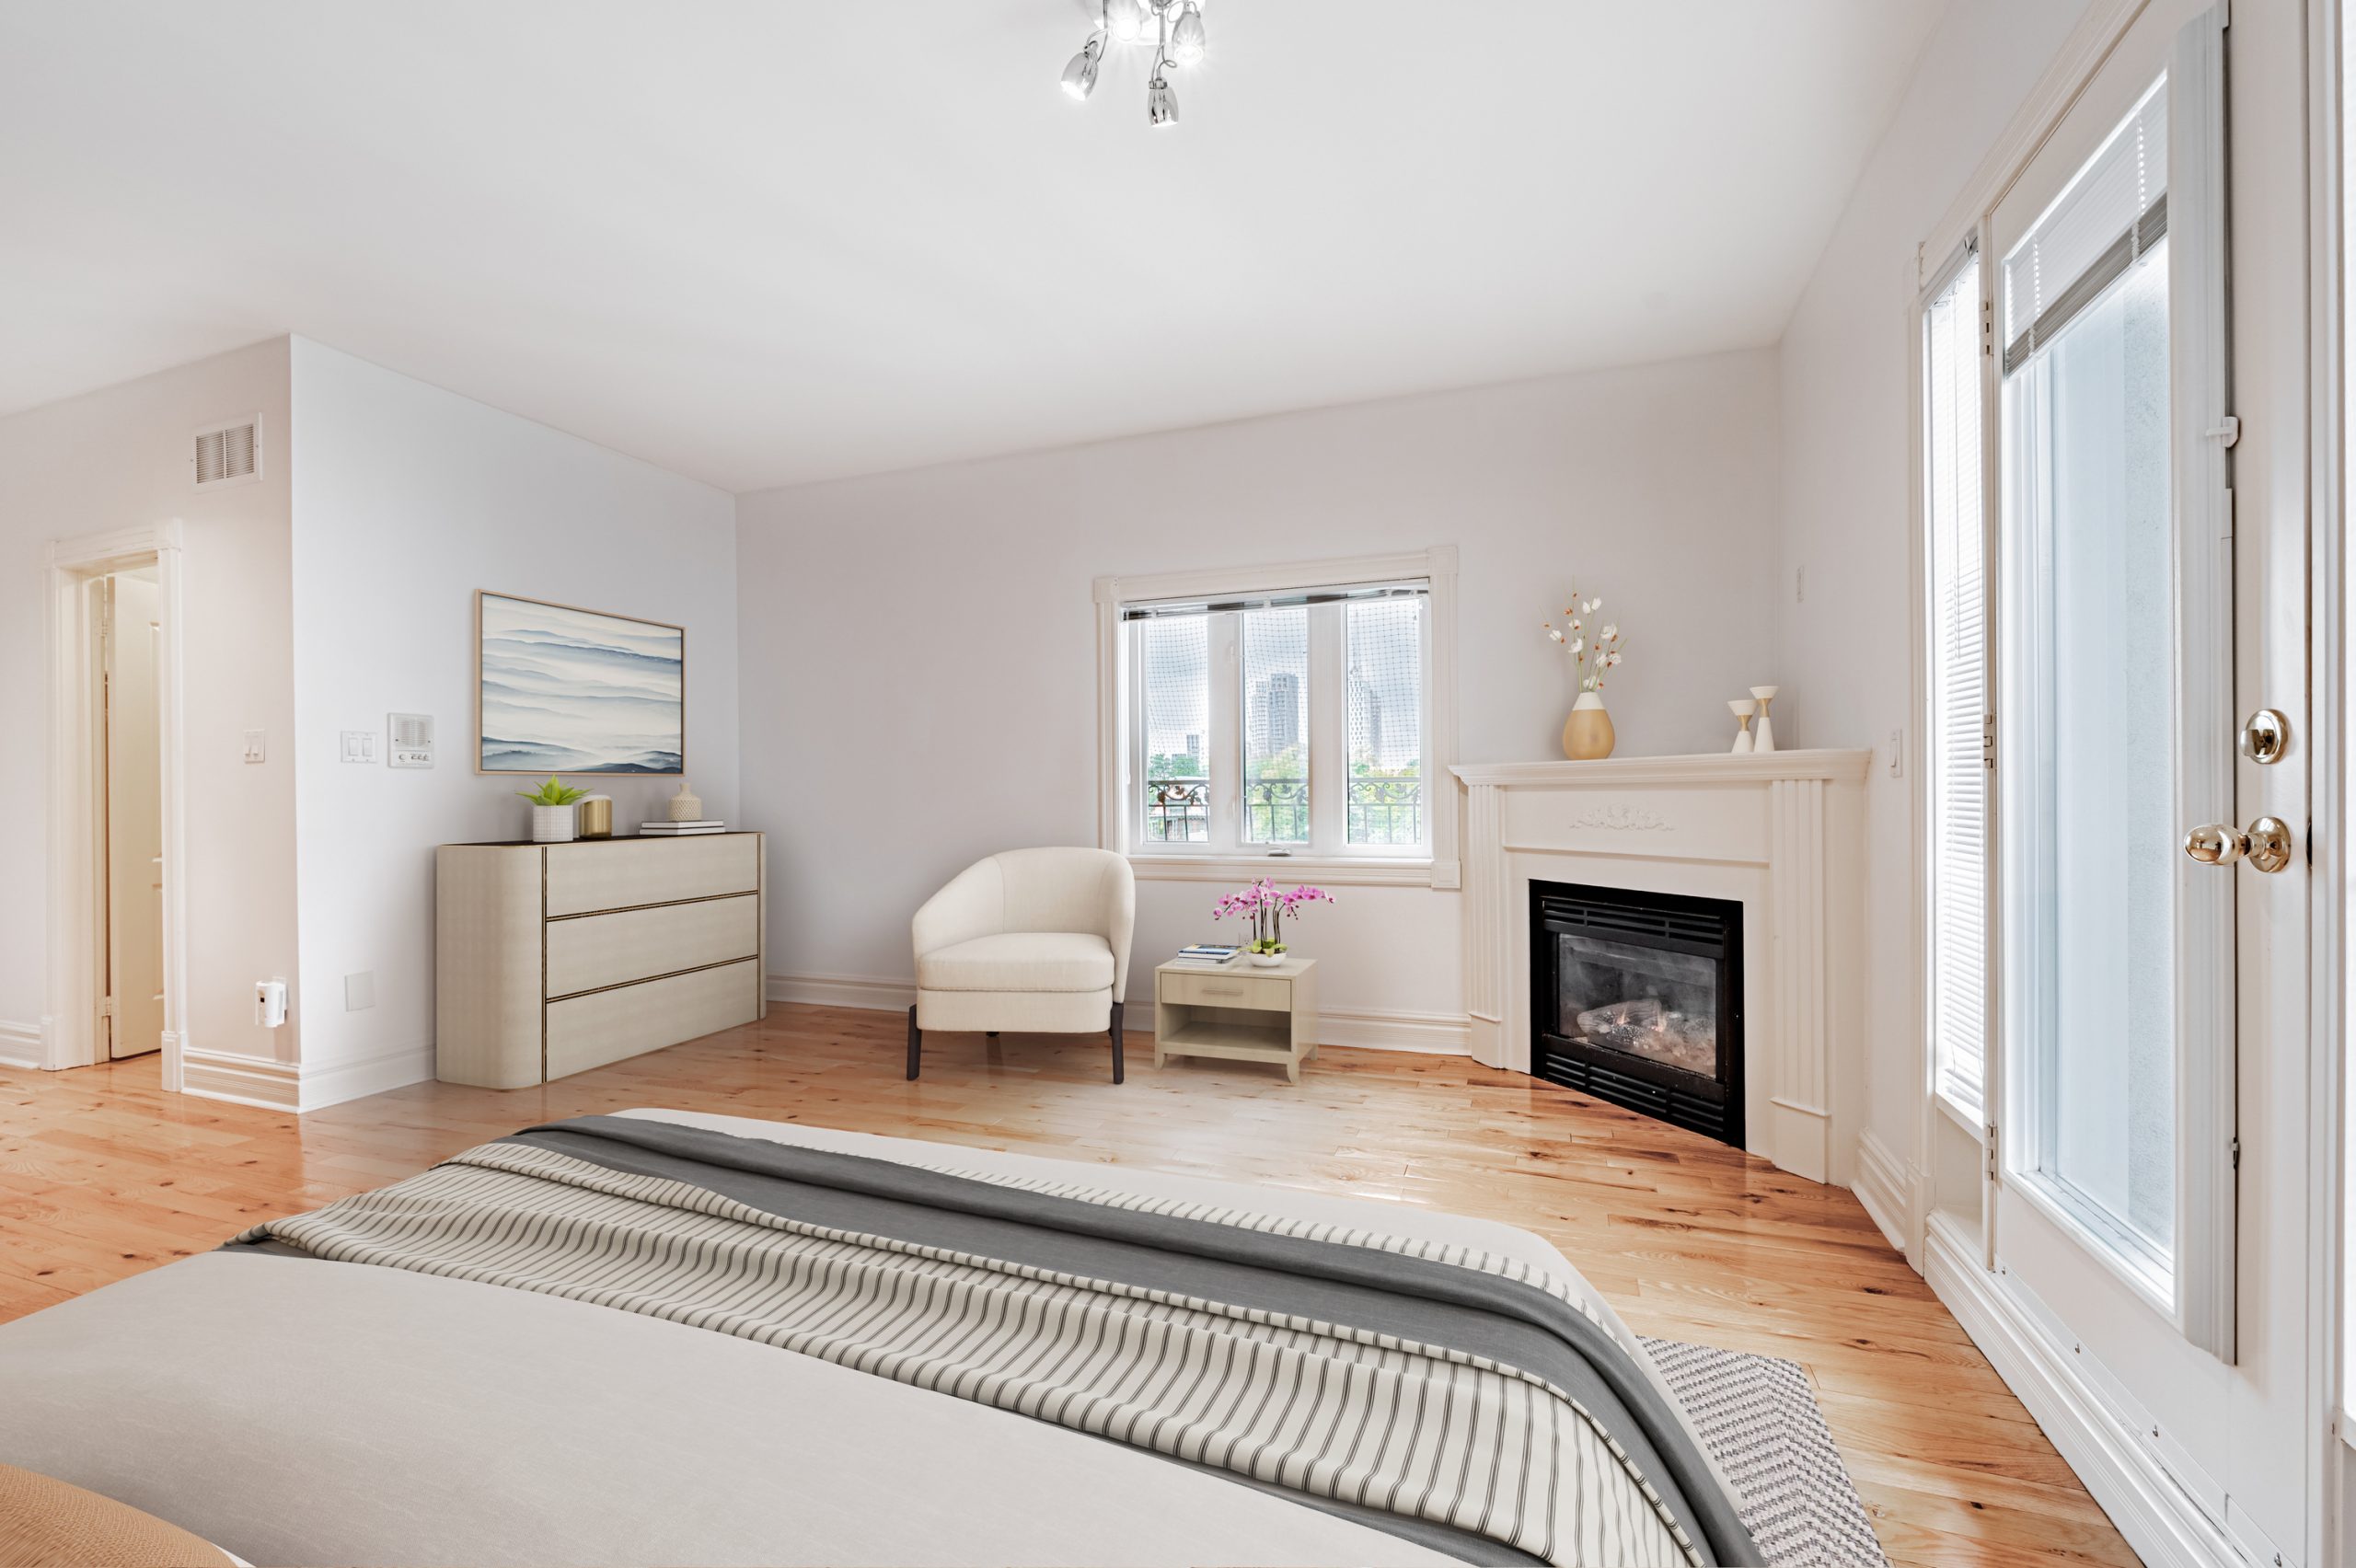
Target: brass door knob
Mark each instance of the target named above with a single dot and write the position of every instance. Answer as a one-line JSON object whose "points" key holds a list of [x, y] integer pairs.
{"points": [[2266, 844]]}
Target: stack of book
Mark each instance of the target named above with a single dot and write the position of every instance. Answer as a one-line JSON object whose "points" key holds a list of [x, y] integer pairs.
{"points": [[678, 829], [1210, 954]]}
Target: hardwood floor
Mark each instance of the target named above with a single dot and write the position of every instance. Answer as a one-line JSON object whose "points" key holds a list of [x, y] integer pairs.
{"points": [[102, 1175]]}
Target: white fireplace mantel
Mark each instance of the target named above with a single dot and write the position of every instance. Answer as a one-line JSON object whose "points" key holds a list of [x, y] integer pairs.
{"points": [[1779, 832]]}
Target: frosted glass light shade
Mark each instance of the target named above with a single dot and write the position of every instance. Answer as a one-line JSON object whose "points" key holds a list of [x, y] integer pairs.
{"points": [[1161, 103], [1187, 39], [1080, 76]]}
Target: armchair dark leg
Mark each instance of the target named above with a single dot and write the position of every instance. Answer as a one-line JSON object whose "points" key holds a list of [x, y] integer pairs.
{"points": [[916, 1044], [1117, 1071]]}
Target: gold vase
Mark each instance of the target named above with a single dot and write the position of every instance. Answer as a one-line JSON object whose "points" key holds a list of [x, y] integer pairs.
{"points": [[1586, 733]]}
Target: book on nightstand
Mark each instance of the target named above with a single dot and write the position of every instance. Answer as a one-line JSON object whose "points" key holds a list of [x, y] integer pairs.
{"points": [[678, 829], [1210, 955]]}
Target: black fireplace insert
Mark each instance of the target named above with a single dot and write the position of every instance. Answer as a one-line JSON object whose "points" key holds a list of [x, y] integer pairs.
{"points": [[1636, 998]]}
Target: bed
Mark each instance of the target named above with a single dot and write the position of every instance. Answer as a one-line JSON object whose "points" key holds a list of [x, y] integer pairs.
{"points": [[664, 1336]]}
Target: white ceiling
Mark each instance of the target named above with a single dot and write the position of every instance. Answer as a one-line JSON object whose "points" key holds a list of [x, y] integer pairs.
{"points": [[770, 241]]}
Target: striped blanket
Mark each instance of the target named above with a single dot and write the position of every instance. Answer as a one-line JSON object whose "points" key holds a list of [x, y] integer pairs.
{"points": [[1454, 1399]]}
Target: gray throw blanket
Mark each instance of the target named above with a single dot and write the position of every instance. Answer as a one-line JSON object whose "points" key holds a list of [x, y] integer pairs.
{"points": [[1452, 1399]]}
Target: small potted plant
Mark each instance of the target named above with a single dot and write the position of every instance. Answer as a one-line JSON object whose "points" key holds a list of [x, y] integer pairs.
{"points": [[552, 811], [1267, 908]]}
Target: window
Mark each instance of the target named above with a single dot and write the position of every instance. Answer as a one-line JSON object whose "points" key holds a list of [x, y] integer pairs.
{"points": [[1956, 551], [1280, 716], [2090, 654]]}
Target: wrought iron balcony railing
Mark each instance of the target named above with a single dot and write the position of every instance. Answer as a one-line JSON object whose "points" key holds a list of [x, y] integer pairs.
{"points": [[1381, 812], [1178, 810], [1275, 811], [1386, 811]]}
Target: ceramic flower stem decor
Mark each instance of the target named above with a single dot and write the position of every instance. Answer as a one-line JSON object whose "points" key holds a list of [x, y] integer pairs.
{"points": [[1265, 907], [1586, 733]]}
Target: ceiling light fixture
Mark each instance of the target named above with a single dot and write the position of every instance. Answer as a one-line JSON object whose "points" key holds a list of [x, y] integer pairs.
{"points": [[1080, 76], [1174, 29]]}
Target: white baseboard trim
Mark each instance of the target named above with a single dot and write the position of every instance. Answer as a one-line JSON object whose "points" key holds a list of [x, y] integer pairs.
{"points": [[869, 991], [2159, 1519], [1372, 1028], [21, 1045], [332, 1083], [242, 1080], [1395, 1029], [1885, 1189]]}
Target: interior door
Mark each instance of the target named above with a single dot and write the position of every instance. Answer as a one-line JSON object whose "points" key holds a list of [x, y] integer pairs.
{"points": [[135, 818], [2151, 870]]}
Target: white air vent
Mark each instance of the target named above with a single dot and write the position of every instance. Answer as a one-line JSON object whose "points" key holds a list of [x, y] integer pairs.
{"points": [[229, 453]]}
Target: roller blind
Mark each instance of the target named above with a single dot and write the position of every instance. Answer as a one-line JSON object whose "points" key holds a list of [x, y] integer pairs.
{"points": [[2114, 210], [1955, 546], [1339, 594]]}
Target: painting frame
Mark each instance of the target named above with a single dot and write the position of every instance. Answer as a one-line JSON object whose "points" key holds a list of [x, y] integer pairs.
{"points": [[481, 741]]}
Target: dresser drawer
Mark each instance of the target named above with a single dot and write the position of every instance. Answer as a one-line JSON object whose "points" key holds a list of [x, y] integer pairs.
{"points": [[606, 1026], [590, 950], [1227, 990], [618, 874]]}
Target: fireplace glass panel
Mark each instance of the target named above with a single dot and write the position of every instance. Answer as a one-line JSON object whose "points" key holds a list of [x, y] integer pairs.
{"points": [[1643, 1001]]}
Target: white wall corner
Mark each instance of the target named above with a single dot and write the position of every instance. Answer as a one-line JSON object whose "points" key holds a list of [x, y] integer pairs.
{"points": [[21, 1045], [2117, 1463], [1887, 1188]]}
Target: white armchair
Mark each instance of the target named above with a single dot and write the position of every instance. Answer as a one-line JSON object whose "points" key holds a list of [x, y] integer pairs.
{"points": [[1032, 939]]}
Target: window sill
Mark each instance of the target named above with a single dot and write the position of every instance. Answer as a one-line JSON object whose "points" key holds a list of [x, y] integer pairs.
{"points": [[1341, 871], [2100, 1238]]}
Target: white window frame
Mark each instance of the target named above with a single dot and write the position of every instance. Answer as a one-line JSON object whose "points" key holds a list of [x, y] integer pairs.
{"points": [[1225, 858], [1973, 1117]]}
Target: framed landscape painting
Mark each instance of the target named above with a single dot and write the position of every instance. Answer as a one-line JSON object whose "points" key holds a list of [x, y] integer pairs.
{"points": [[563, 690]]}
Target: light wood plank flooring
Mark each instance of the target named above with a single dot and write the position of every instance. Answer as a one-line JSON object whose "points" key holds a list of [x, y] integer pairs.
{"points": [[102, 1175]]}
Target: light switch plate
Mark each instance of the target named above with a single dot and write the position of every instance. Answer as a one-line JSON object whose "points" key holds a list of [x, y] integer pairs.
{"points": [[256, 747], [359, 745], [360, 991]]}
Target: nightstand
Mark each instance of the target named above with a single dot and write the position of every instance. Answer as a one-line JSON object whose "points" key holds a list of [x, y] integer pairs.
{"points": [[1237, 1011]]}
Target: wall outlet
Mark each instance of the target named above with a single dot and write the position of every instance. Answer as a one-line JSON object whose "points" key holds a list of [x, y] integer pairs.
{"points": [[360, 991], [256, 747], [270, 1003], [360, 746]]}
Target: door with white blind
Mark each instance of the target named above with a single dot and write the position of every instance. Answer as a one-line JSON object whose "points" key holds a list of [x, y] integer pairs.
{"points": [[2114, 452], [2114, 665]]}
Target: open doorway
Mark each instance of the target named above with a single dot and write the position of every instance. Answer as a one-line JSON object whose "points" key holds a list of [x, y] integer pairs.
{"points": [[130, 803], [117, 931]]}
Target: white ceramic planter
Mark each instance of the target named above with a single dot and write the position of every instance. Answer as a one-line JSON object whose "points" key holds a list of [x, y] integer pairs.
{"points": [[1265, 960], [552, 825]]}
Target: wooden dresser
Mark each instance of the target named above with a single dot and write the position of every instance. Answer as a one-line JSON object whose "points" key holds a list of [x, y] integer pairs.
{"points": [[551, 959]]}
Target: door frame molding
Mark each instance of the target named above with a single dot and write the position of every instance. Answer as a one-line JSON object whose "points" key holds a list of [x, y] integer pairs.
{"points": [[76, 987]]}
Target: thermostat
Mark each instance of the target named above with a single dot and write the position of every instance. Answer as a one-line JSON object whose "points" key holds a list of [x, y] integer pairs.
{"points": [[413, 739]]}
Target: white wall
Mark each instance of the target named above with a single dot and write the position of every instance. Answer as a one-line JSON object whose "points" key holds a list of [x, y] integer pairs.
{"points": [[406, 499], [921, 646], [1846, 652], [121, 458]]}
